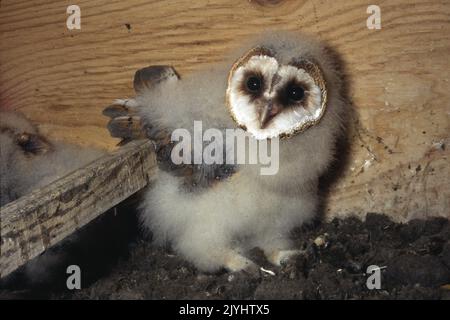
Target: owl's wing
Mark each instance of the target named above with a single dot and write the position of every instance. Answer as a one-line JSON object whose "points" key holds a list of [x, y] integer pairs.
{"points": [[127, 124]]}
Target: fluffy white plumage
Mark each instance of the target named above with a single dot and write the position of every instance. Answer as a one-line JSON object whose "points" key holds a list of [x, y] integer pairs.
{"points": [[215, 226]]}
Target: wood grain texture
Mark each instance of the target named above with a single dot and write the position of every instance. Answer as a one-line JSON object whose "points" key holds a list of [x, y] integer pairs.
{"points": [[31, 224], [398, 77]]}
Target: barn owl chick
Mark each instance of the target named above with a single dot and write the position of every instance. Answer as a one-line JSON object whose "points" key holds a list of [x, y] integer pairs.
{"points": [[28, 160], [281, 86]]}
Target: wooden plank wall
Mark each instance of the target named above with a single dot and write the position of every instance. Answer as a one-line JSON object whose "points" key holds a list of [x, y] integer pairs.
{"points": [[399, 77]]}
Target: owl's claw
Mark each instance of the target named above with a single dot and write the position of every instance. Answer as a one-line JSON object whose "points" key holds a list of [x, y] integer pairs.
{"points": [[238, 263], [149, 77], [120, 108], [125, 123], [127, 127], [282, 257], [253, 270]]}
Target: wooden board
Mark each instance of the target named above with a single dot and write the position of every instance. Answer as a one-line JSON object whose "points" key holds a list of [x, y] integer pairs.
{"points": [[31, 224], [399, 77]]}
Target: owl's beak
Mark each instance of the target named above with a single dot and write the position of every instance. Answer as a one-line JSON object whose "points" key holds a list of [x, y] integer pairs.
{"points": [[267, 113]]}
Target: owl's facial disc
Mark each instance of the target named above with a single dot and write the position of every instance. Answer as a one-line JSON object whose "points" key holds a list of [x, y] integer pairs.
{"points": [[270, 99]]}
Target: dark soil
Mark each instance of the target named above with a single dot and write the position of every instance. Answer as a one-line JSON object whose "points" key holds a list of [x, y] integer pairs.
{"points": [[414, 259]]}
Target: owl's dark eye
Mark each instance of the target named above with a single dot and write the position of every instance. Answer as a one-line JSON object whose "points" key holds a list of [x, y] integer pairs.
{"points": [[295, 92], [254, 84]]}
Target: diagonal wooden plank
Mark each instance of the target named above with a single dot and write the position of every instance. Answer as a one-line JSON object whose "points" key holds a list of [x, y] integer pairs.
{"points": [[31, 224]]}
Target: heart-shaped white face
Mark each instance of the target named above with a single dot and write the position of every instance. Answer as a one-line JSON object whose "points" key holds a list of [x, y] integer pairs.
{"points": [[270, 99]]}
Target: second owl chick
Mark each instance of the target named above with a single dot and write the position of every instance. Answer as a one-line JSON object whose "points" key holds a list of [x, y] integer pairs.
{"points": [[28, 160]]}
